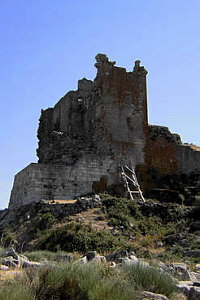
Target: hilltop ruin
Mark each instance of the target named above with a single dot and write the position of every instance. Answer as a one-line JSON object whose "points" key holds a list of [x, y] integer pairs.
{"points": [[91, 131]]}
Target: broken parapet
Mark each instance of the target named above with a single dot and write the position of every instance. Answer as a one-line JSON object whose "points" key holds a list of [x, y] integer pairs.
{"points": [[91, 131], [107, 116], [156, 131]]}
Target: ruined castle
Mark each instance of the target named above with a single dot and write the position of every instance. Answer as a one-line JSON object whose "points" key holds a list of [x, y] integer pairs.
{"points": [[91, 131]]}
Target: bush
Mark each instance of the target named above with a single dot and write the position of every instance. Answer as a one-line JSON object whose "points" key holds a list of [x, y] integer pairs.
{"points": [[77, 237], [121, 211], [7, 237], [44, 221], [147, 278]]}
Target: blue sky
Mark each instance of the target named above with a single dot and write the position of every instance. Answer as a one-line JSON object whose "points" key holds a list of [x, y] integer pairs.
{"points": [[47, 45]]}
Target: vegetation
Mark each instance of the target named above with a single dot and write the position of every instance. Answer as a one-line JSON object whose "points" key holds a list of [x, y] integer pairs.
{"points": [[78, 237], [44, 221], [7, 237], [144, 277], [69, 281], [87, 282], [43, 255], [126, 227], [120, 211]]}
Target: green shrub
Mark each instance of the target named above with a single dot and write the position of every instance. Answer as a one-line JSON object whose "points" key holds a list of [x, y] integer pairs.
{"points": [[7, 238], [147, 278], [121, 211], [44, 221], [77, 237]]}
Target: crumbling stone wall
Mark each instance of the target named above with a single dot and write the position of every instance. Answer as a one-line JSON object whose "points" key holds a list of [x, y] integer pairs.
{"points": [[107, 116], [53, 181], [90, 131], [165, 154]]}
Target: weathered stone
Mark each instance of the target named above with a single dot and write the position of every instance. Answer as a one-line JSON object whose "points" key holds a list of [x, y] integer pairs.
{"points": [[90, 255], [4, 268], [174, 238], [152, 296], [187, 287], [9, 252], [99, 259], [128, 262], [83, 260], [31, 264], [57, 210], [181, 272], [117, 256], [197, 267], [94, 257], [65, 257], [10, 262]]}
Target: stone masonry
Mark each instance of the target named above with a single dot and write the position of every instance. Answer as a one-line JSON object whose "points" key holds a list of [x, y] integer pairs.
{"points": [[91, 131]]}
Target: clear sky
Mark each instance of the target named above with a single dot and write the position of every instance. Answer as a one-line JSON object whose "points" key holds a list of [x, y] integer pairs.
{"points": [[47, 45]]}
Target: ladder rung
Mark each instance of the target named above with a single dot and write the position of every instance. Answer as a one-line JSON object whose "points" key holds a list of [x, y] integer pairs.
{"points": [[133, 181]]}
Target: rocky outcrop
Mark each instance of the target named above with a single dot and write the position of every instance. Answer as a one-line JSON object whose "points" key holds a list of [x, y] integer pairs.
{"points": [[21, 214], [13, 260]]}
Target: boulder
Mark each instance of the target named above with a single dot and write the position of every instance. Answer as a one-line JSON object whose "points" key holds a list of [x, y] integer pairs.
{"points": [[180, 271], [10, 252], [128, 262], [195, 276], [174, 238], [94, 257], [65, 257], [197, 267], [10, 262], [189, 289], [90, 255], [117, 256], [31, 264], [83, 260], [99, 259], [152, 296], [4, 268]]}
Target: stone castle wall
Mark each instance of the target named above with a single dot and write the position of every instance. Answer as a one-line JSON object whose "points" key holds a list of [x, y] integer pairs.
{"points": [[91, 131], [57, 182]]}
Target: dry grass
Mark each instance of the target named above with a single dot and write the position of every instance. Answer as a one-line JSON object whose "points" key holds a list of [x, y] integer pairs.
{"points": [[57, 201], [93, 217], [10, 274], [197, 148]]}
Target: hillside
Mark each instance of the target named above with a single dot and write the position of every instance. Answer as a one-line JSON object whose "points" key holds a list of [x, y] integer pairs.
{"points": [[156, 232]]}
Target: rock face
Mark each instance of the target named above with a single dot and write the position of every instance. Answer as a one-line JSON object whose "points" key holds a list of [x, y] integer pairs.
{"points": [[89, 132]]}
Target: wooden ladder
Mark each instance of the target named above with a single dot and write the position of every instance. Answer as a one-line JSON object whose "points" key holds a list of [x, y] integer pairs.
{"points": [[130, 178]]}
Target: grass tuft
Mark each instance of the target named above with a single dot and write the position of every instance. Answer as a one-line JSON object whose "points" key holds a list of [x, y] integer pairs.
{"points": [[144, 277]]}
